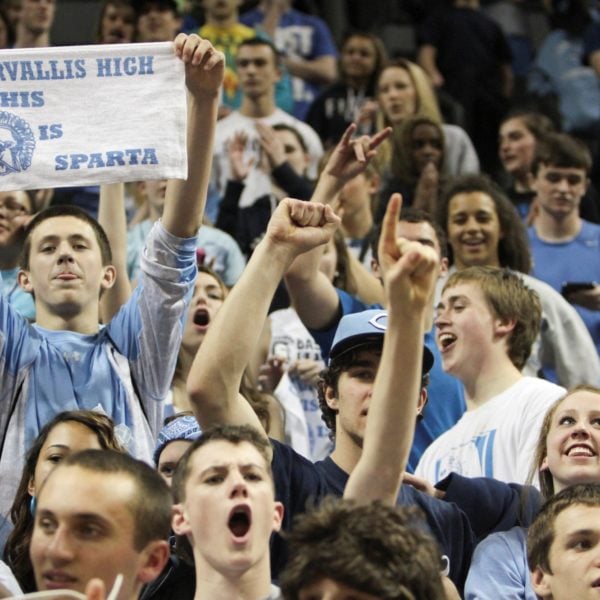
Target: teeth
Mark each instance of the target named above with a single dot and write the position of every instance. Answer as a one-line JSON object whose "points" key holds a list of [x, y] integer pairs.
{"points": [[446, 339], [59, 578], [580, 451]]}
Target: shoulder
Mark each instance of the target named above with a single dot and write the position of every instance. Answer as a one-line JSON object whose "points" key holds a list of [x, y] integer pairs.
{"points": [[540, 392], [232, 120], [454, 133], [250, 17], [589, 229]]}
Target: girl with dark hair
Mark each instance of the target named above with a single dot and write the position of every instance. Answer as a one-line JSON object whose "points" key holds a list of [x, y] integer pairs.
{"points": [[67, 433], [351, 99], [417, 166]]}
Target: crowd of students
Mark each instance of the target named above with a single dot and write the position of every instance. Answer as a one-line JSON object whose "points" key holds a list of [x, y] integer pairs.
{"points": [[347, 357]]}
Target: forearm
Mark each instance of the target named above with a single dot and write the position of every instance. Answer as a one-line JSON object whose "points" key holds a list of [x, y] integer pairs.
{"points": [[368, 287], [327, 188], [312, 295], [229, 208], [392, 412], [321, 70], [426, 58], [185, 199], [111, 215], [294, 185], [218, 367]]}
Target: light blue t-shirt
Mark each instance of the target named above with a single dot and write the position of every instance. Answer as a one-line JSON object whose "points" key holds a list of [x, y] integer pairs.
{"points": [[17, 297], [124, 370], [499, 568], [576, 260]]}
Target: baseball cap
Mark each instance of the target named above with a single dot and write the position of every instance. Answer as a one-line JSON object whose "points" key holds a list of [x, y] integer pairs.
{"points": [[366, 327]]}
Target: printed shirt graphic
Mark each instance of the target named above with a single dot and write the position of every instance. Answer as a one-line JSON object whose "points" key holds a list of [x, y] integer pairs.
{"points": [[497, 439], [305, 429], [87, 115]]}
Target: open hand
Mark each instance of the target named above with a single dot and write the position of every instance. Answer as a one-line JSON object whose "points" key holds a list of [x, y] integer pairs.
{"points": [[239, 167]]}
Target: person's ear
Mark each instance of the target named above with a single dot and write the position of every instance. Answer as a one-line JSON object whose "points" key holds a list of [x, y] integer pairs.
{"points": [[540, 581], [31, 486], [153, 559], [109, 277], [278, 516], [24, 280], [423, 396], [444, 266], [504, 327], [179, 520], [330, 398], [544, 465]]}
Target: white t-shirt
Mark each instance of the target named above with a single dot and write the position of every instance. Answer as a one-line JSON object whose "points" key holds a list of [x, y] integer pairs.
{"points": [[495, 440], [257, 183], [305, 429], [8, 580]]}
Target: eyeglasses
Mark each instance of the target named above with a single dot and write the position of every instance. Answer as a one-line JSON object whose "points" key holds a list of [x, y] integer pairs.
{"points": [[13, 208]]}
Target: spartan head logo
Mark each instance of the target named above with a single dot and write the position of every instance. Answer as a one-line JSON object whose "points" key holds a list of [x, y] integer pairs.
{"points": [[17, 144]]}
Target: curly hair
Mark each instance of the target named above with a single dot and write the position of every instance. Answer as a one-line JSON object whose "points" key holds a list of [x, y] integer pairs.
{"points": [[373, 548], [513, 247]]}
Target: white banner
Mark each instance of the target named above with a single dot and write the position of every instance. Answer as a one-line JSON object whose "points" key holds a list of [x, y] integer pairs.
{"points": [[85, 115]]}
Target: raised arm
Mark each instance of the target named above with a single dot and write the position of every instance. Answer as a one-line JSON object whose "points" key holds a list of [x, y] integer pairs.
{"points": [[111, 215], [185, 199], [312, 294], [409, 282], [215, 376], [427, 59], [368, 288]]}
